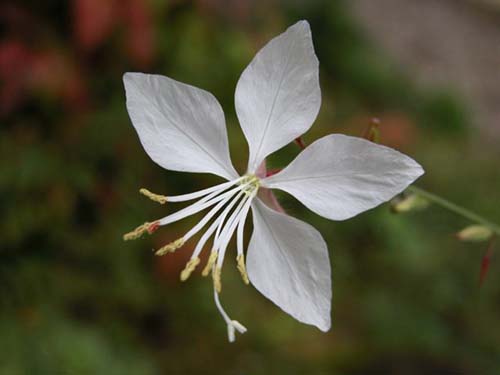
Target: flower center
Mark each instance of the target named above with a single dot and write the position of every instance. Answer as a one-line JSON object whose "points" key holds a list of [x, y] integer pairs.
{"points": [[250, 183]]}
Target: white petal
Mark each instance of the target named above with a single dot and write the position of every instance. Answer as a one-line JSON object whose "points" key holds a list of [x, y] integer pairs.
{"points": [[181, 127], [287, 261], [340, 176], [278, 95]]}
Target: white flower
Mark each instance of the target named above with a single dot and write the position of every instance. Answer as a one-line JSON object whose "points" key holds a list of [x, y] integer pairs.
{"points": [[277, 99]]}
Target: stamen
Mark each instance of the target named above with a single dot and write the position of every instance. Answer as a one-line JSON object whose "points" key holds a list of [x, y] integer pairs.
{"points": [[197, 194], [190, 266], [153, 227], [216, 224], [220, 237], [220, 244], [140, 230], [239, 245], [225, 194], [218, 231], [199, 206], [225, 225], [171, 247], [210, 214], [240, 259], [230, 227], [216, 273], [210, 262], [161, 199]]}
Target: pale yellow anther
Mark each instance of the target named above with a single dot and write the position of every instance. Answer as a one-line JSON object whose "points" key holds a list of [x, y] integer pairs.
{"points": [[190, 266], [171, 247], [161, 199], [240, 259], [216, 276], [210, 263], [137, 232], [253, 184]]}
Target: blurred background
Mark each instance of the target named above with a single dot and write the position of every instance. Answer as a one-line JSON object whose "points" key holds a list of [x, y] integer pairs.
{"points": [[76, 299]]}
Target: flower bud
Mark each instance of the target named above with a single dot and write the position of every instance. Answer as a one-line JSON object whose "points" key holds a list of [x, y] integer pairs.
{"points": [[372, 132], [475, 233], [409, 203]]}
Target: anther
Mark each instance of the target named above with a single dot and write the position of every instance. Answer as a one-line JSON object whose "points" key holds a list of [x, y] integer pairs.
{"points": [[216, 273], [153, 227], [190, 266], [139, 231], [210, 263], [161, 199], [240, 259], [252, 184], [171, 247]]}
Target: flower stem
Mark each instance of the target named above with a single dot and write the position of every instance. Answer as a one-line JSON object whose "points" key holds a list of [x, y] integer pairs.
{"points": [[455, 208]]}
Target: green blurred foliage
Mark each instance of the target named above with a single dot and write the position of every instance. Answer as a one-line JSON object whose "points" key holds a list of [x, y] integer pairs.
{"points": [[76, 299]]}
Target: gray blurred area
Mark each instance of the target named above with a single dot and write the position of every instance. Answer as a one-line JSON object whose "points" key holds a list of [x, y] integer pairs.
{"points": [[443, 43]]}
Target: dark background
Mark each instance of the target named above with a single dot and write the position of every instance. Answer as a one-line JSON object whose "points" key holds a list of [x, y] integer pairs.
{"points": [[76, 299]]}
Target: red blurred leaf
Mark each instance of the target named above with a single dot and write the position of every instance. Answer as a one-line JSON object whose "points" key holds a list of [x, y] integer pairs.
{"points": [[75, 91], [14, 59], [235, 10], [169, 267], [15, 62], [485, 262], [139, 32], [93, 21], [53, 73], [48, 71]]}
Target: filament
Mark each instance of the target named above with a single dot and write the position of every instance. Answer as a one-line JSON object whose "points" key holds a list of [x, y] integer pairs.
{"points": [[201, 193], [213, 226], [200, 205]]}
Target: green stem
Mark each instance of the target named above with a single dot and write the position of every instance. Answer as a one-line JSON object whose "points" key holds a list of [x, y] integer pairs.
{"points": [[455, 208]]}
